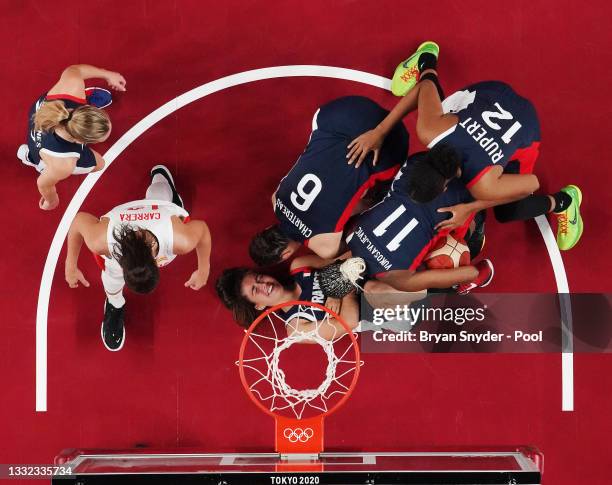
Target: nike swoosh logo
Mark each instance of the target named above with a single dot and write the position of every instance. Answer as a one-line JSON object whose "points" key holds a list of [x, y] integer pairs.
{"points": [[407, 61], [575, 219]]}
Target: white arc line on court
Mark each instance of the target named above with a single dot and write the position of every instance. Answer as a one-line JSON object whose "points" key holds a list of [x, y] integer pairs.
{"points": [[42, 311], [567, 338]]}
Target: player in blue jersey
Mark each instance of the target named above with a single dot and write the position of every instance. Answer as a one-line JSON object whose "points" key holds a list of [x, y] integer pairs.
{"points": [[395, 235], [247, 293], [496, 135], [61, 125], [316, 198]]}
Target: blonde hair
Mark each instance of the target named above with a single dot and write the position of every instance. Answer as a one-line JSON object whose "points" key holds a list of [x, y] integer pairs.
{"points": [[87, 124]]}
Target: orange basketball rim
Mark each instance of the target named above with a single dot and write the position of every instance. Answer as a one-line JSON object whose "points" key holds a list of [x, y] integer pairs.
{"points": [[299, 414]]}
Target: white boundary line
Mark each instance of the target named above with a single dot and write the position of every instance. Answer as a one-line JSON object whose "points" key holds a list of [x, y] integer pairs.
{"points": [[42, 311], [567, 340]]}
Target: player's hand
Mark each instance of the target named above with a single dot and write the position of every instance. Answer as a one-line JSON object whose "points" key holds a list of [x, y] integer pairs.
{"points": [[333, 304], [74, 276], [48, 205], [115, 81], [370, 141], [460, 214], [198, 279]]}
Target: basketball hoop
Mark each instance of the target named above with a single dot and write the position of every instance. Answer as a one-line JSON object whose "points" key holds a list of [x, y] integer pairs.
{"points": [[298, 413]]}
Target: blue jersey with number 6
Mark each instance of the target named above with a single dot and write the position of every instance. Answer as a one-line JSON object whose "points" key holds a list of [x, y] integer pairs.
{"points": [[396, 234], [321, 191], [495, 126]]}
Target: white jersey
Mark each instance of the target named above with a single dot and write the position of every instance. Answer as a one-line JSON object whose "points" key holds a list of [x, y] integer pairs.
{"points": [[151, 215]]}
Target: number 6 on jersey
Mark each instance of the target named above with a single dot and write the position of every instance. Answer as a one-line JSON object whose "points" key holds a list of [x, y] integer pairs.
{"points": [[309, 196]]}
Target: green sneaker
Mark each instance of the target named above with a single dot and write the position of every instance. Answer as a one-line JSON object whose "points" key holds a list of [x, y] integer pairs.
{"points": [[407, 73], [570, 226]]}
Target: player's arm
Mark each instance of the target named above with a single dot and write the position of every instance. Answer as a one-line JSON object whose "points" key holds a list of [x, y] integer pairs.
{"points": [[100, 163], [310, 261], [317, 262], [274, 199], [431, 122], [461, 212], [495, 185], [57, 169], [331, 328], [328, 245], [190, 236], [381, 295], [88, 229], [492, 189], [372, 140], [72, 80], [406, 280]]}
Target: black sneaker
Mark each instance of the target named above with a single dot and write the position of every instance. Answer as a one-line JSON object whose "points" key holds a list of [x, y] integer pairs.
{"points": [[163, 171], [113, 329], [476, 240]]}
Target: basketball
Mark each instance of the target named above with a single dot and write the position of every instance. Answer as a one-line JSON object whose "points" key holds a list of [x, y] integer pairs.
{"points": [[448, 253]]}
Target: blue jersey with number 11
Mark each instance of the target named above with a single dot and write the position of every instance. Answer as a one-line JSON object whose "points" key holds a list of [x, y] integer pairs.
{"points": [[396, 234]]}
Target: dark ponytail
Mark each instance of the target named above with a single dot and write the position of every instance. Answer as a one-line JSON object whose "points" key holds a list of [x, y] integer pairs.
{"points": [[431, 171], [134, 255]]}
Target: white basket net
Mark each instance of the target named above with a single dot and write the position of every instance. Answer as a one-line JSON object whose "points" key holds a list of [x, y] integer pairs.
{"points": [[268, 381]]}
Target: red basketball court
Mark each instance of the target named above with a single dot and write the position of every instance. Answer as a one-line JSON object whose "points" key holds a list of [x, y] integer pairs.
{"points": [[228, 141]]}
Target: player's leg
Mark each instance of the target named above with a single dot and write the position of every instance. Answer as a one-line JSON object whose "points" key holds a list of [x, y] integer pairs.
{"points": [[532, 206], [426, 95], [565, 204], [113, 328], [430, 111], [162, 186]]}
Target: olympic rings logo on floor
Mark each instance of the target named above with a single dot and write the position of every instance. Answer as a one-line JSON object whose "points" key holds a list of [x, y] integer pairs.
{"points": [[298, 434]]}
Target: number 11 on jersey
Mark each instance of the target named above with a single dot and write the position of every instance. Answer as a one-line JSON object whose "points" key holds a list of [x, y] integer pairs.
{"points": [[381, 229]]}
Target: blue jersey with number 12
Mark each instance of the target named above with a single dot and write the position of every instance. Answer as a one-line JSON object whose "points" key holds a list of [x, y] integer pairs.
{"points": [[495, 126]]}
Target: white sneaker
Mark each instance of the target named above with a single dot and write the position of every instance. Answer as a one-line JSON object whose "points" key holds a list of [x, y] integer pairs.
{"points": [[22, 154]]}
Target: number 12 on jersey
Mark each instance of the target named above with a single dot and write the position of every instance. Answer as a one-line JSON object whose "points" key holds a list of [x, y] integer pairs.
{"points": [[381, 229]]}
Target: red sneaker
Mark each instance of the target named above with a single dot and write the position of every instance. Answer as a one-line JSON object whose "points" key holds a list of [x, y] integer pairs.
{"points": [[485, 276]]}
